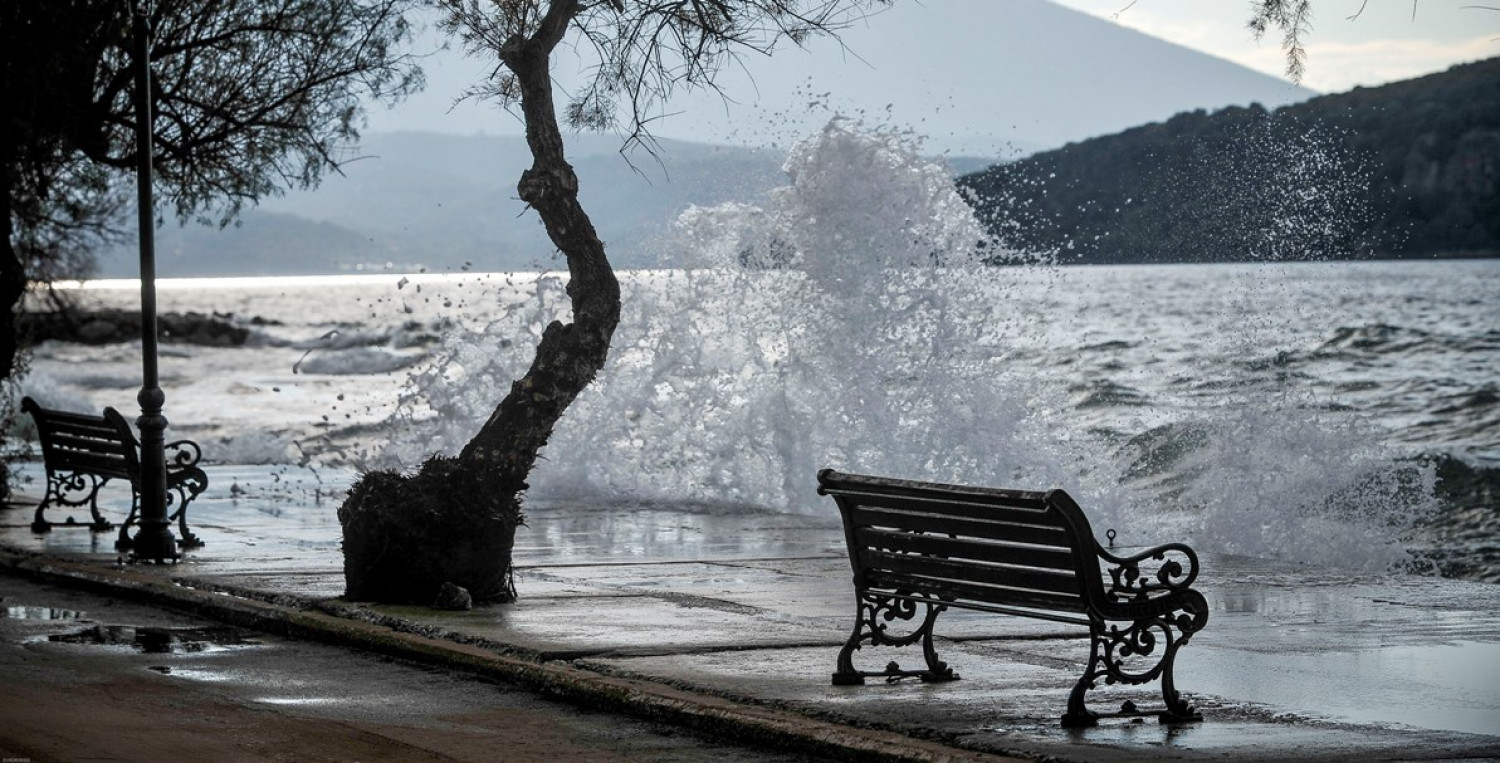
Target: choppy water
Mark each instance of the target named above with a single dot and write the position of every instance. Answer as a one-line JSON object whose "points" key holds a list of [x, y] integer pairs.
{"points": [[1338, 412]]}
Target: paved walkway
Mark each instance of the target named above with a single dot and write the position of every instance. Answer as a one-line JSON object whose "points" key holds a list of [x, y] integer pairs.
{"points": [[180, 688], [732, 621]]}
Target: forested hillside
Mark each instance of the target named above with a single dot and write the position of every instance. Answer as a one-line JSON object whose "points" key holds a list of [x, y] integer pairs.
{"points": [[1410, 169]]}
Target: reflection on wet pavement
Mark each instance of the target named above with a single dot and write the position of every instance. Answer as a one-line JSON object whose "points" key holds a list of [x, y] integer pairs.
{"points": [[173, 687], [152, 640], [41, 613]]}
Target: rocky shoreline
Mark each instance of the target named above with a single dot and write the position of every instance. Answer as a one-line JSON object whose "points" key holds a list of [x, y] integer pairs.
{"points": [[97, 327]]}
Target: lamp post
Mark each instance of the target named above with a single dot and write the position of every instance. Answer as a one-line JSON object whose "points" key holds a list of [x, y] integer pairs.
{"points": [[153, 540]]}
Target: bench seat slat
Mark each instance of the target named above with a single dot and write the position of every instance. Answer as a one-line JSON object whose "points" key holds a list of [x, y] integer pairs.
{"points": [[104, 464], [1051, 581], [91, 428], [112, 442], [1040, 613], [1004, 531], [972, 592], [68, 418], [1024, 512], [833, 483], [986, 549]]}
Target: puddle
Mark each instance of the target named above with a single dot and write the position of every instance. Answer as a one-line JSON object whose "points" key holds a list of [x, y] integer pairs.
{"points": [[157, 640], [49, 614], [210, 676]]}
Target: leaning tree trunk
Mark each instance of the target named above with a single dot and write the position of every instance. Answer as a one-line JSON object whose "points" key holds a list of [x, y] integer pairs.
{"points": [[404, 536]]}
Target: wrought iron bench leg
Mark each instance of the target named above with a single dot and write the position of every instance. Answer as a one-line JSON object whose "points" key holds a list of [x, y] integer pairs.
{"points": [[1179, 710], [186, 485], [871, 610], [100, 524], [123, 542], [39, 523], [185, 537], [1079, 715], [1111, 646], [183, 487], [59, 486]]}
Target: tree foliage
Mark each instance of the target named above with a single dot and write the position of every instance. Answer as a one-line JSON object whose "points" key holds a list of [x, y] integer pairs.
{"points": [[639, 53], [250, 97], [1294, 19]]}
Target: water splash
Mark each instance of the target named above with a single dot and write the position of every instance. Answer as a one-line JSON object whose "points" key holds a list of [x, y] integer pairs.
{"points": [[1283, 481], [852, 321]]}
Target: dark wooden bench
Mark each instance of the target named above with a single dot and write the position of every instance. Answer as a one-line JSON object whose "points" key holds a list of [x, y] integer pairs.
{"points": [[930, 547], [83, 452]]}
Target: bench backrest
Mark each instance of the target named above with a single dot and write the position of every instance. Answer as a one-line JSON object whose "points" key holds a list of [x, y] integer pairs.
{"points": [[1017, 551], [80, 442]]}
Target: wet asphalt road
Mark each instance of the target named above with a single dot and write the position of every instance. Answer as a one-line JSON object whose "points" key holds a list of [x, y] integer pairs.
{"points": [[88, 677]]}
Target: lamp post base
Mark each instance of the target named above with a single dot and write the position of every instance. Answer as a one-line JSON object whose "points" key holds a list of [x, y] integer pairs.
{"points": [[154, 545]]}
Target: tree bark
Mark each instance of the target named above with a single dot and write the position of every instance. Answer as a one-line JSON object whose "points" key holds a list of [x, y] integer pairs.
{"points": [[454, 521], [570, 354]]}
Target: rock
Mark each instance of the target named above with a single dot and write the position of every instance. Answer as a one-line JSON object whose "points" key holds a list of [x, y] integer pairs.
{"points": [[100, 331], [199, 329], [112, 326], [453, 597]]}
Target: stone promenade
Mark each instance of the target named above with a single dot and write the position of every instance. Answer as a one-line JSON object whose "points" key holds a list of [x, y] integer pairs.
{"points": [[731, 621]]}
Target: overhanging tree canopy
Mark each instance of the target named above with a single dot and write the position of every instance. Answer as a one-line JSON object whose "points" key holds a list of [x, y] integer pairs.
{"points": [[251, 97]]}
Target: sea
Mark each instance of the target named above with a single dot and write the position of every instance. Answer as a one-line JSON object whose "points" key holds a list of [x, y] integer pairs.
{"points": [[1338, 412]]}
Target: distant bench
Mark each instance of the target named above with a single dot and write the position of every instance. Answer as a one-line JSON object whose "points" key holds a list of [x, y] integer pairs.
{"points": [[83, 452], [1012, 552]]}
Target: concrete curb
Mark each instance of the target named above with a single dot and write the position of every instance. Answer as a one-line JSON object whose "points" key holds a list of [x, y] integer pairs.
{"points": [[650, 700]]}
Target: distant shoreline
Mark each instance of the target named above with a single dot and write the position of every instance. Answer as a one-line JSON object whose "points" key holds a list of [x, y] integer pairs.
{"points": [[427, 276]]}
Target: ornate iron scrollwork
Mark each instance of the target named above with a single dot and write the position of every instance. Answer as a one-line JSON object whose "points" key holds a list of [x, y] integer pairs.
{"points": [[83, 453], [1024, 553], [875, 614], [185, 481], [1141, 651], [1176, 569], [71, 490], [181, 454]]}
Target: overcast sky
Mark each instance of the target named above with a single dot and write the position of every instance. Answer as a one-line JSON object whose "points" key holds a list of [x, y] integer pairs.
{"points": [[1353, 42], [1388, 40]]}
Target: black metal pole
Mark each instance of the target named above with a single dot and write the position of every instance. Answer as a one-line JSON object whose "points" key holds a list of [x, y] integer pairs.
{"points": [[154, 540]]}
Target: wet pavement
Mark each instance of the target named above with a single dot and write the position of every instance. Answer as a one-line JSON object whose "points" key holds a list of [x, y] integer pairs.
{"points": [[88, 676], [730, 621]]}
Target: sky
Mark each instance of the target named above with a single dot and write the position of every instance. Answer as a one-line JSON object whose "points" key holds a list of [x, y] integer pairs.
{"points": [[1352, 42], [923, 63]]}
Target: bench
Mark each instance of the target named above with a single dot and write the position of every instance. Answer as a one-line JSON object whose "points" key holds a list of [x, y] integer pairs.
{"points": [[83, 452], [930, 547]]}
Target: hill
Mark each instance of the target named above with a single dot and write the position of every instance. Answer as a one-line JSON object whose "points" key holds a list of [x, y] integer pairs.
{"points": [[976, 77], [1403, 170], [998, 77], [444, 202]]}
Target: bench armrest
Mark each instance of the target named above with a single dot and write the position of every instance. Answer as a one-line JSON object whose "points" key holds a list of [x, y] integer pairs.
{"points": [[182, 454], [1175, 569]]}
